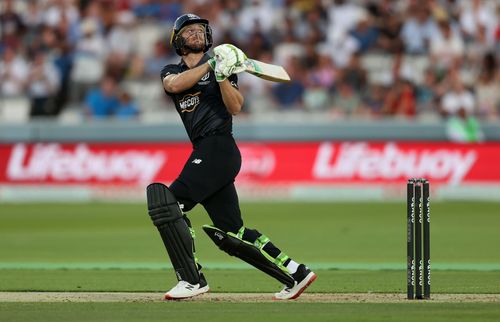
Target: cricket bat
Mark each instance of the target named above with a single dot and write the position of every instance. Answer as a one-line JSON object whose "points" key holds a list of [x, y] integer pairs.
{"points": [[270, 72]]}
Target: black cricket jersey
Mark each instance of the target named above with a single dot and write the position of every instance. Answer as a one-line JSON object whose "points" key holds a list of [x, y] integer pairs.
{"points": [[201, 107]]}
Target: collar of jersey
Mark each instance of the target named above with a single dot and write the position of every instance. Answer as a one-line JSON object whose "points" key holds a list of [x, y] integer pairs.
{"points": [[202, 61]]}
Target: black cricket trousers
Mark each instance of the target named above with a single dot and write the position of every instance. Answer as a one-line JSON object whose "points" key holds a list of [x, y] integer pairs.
{"points": [[208, 178]]}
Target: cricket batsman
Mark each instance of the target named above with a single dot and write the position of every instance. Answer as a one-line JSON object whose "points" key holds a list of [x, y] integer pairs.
{"points": [[205, 92]]}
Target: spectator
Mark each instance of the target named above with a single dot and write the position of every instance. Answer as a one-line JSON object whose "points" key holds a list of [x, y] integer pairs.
{"points": [[147, 9], [227, 19], [58, 10], [400, 100], [13, 74], [148, 67], [341, 46], [319, 82], [354, 74], [479, 48], [458, 107], [63, 60], [100, 36], [476, 15], [346, 101], [121, 43], [288, 48], [365, 33], [258, 43], [43, 85], [127, 109], [446, 9], [289, 95], [373, 100], [426, 92], [313, 23], [488, 93], [496, 32], [11, 25], [257, 98], [344, 16], [458, 100], [323, 74], [418, 30], [259, 14], [45, 38], [389, 40], [32, 17], [103, 102], [89, 58], [447, 48]]}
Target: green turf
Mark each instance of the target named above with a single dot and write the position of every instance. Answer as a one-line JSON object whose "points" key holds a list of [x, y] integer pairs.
{"points": [[315, 232], [42, 237], [216, 312]]}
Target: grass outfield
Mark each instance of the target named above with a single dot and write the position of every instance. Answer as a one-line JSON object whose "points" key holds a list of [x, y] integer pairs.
{"points": [[355, 248], [216, 312], [251, 312]]}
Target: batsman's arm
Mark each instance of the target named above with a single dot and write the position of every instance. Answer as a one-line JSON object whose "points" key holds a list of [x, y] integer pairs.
{"points": [[233, 100], [176, 83]]}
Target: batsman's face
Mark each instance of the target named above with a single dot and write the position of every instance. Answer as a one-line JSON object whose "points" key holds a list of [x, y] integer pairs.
{"points": [[194, 36]]}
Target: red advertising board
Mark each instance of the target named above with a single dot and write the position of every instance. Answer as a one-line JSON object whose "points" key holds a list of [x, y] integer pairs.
{"points": [[263, 163]]}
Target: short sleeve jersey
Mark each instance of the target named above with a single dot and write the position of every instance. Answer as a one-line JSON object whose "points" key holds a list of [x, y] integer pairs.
{"points": [[201, 107]]}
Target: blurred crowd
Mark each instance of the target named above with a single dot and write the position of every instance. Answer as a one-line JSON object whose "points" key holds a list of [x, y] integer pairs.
{"points": [[366, 59]]}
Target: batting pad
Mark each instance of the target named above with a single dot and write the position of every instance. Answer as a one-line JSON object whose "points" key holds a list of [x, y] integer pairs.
{"points": [[174, 231], [248, 253]]}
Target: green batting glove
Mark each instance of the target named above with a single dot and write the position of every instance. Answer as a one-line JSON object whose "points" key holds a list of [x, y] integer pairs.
{"points": [[219, 76], [212, 62]]}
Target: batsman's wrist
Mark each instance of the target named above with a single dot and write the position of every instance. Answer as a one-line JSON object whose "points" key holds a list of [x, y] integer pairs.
{"points": [[220, 77], [211, 63]]}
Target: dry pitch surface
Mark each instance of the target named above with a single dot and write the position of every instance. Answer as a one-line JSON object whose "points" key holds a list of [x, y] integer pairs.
{"points": [[237, 297]]}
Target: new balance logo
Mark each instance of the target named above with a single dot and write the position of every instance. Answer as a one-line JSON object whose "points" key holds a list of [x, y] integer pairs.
{"points": [[196, 161]]}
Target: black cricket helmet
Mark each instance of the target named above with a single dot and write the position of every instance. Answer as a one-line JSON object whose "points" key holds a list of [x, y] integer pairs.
{"points": [[185, 20]]}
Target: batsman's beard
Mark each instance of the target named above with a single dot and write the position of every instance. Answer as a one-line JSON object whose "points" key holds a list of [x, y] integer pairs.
{"points": [[195, 47]]}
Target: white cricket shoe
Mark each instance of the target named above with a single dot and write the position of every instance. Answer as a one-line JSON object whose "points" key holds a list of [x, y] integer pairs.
{"points": [[184, 290], [303, 278]]}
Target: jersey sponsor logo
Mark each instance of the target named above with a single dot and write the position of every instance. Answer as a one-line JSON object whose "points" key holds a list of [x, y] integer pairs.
{"points": [[205, 79], [189, 102]]}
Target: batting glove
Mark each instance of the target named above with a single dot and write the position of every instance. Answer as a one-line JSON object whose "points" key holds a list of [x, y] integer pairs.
{"points": [[215, 65], [230, 59]]}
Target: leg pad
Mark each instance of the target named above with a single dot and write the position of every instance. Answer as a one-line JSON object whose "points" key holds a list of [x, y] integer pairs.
{"points": [[174, 230], [247, 252]]}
